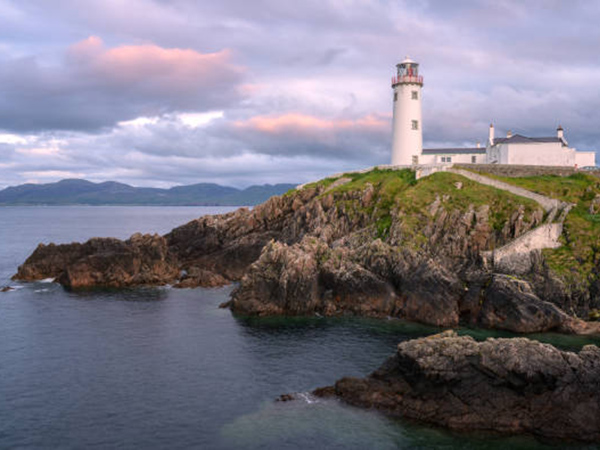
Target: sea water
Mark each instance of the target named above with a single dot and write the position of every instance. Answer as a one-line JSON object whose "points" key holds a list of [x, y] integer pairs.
{"points": [[158, 368]]}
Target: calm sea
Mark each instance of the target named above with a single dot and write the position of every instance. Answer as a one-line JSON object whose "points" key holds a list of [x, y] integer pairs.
{"points": [[166, 369]]}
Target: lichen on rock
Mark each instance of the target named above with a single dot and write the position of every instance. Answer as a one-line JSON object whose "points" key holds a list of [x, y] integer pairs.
{"points": [[507, 385], [377, 243]]}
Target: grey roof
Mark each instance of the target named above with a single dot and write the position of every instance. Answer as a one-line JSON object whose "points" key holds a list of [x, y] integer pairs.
{"points": [[454, 151], [519, 139]]}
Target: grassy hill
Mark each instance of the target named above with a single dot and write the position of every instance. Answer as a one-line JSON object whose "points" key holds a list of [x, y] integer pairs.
{"points": [[579, 257]]}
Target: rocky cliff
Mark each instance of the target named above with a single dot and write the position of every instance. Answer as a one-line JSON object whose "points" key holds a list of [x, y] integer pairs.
{"points": [[506, 385], [377, 243]]}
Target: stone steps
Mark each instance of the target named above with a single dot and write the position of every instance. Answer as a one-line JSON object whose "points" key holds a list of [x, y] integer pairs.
{"points": [[519, 255]]}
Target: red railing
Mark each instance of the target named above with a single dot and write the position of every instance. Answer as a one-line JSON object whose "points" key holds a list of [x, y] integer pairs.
{"points": [[407, 79]]}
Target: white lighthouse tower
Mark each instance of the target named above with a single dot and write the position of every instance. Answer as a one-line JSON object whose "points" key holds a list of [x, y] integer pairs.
{"points": [[407, 135]]}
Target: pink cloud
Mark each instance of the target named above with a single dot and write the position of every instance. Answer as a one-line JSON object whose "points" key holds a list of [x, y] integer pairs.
{"points": [[85, 49], [297, 123], [152, 66]]}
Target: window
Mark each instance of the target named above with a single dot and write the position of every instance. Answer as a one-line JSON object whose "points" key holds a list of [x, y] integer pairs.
{"points": [[415, 160], [415, 124], [395, 96], [473, 159], [415, 95], [446, 159]]}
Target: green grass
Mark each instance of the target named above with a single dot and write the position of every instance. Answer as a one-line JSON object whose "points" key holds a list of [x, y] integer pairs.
{"points": [[397, 192], [325, 182], [569, 189], [578, 260], [502, 204], [390, 180], [387, 185]]}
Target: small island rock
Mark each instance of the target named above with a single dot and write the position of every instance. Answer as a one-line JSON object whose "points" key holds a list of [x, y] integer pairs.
{"points": [[507, 385]]}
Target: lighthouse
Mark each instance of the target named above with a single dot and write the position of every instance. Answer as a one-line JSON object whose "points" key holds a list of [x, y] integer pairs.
{"points": [[407, 134]]}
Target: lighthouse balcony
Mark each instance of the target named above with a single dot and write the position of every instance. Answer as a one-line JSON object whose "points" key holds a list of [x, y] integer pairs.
{"points": [[407, 79]]}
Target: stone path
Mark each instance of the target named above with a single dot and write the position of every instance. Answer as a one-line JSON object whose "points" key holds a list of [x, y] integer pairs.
{"points": [[515, 257], [547, 203]]}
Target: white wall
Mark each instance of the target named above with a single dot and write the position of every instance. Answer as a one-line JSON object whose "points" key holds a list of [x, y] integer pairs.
{"points": [[584, 159], [427, 159], [406, 142], [540, 154], [457, 158]]}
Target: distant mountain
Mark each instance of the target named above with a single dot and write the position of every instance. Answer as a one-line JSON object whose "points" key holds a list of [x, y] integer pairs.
{"points": [[83, 192]]}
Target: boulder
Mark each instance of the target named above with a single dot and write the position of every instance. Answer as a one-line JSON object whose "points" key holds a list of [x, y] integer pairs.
{"points": [[333, 249], [510, 304], [106, 262], [507, 385], [283, 281], [141, 260], [197, 277]]}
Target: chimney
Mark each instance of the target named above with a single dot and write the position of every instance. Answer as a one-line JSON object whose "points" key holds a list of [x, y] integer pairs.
{"points": [[560, 132], [509, 134], [478, 144], [491, 138]]}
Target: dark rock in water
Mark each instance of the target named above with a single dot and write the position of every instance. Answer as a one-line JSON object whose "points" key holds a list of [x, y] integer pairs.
{"points": [[349, 248], [49, 261], [506, 385], [286, 398], [196, 277], [6, 289], [141, 260], [309, 278], [510, 304]]}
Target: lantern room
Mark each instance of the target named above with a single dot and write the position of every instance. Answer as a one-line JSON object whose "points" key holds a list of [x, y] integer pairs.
{"points": [[407, 72]]}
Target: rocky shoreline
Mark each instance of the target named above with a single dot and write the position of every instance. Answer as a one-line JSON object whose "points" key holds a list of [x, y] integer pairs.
{"points": [[505, 385], [445, 250], [382, 245]]}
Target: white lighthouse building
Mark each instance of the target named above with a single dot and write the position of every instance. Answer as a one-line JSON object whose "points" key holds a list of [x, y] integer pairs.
{"points": [[407, 134]]}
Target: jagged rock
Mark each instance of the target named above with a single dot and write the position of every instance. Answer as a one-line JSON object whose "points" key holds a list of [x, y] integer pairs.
{"points": [[49, 261], [505, 385], [595, 205], [141, 260], [286, 398], [283, 281], [196, 277], [226, 244], [346, 251], [510, 304], [309, 278], [367, 196]]}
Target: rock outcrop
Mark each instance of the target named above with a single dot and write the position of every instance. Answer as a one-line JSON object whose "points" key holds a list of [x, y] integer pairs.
{"points": [[141, 260], [376, 280], [381, 245], [505, 385]]}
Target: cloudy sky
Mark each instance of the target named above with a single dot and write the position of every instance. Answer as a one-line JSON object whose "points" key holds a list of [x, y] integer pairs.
{"points": [[239, 92]]}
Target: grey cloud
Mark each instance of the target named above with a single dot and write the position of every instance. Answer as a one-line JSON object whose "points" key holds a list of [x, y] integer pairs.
{"points": [[95, 86], [523, 65]]}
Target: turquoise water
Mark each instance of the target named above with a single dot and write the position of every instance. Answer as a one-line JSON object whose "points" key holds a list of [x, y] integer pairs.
{"points": [[166, 368]]}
